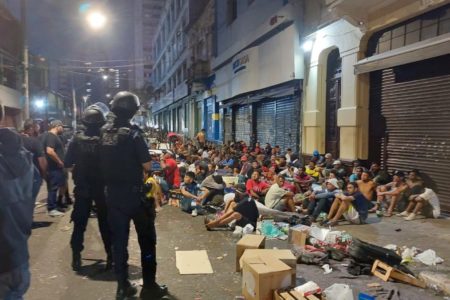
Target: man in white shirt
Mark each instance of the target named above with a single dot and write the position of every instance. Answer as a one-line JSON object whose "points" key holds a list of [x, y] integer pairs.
{"points": [[278, 198]]}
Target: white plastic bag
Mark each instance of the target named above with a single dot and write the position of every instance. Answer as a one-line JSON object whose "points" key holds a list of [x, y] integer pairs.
{"points": [[339, 291], [429, 258], [248, 229]]}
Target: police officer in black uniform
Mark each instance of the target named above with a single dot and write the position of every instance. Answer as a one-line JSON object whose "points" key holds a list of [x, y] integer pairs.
{"points": [[124, 155], [83, 155]]}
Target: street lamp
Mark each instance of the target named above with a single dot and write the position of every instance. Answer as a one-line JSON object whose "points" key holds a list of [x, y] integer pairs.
{"points": [[96, 20], [39, 103], [105, 77]]}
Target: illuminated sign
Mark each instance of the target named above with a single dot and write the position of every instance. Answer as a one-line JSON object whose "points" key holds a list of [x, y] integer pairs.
{"points": [[240, 63]]}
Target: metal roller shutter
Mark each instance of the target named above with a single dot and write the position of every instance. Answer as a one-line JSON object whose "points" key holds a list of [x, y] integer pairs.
{"points": [[417, 113], [265, 122], [287, 123], [242, 124]]}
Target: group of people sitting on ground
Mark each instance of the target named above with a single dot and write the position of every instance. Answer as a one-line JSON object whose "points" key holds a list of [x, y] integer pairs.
{"points": [[245, 182]]}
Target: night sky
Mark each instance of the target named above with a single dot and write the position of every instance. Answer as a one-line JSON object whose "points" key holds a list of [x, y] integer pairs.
{"points": [[57, 30]]}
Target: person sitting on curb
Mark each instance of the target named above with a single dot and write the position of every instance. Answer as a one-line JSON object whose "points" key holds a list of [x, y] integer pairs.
{"points": [[256, 188], [320, 201], [189, 190], [312, 170], [391, 192], [241, 209], [351, 204], [279, 198], [427, 203], [212, 191]]}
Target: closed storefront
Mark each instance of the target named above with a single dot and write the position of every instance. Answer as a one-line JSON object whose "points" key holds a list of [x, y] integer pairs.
{"points": [[413, 120], [242, 124], [267, 116], [278, 122], [409, 124]]}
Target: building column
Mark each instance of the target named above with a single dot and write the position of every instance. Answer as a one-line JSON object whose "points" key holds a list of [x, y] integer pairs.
{"points": [[313, 135], [353, 116]]}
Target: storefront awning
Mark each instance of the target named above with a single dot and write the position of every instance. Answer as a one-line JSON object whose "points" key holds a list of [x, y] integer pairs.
{"points": [[429, 48]]}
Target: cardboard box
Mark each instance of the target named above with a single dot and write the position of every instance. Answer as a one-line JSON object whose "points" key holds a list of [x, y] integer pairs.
{"points": [[261, 276], [248, 241], [283, 255], [298, 235]]}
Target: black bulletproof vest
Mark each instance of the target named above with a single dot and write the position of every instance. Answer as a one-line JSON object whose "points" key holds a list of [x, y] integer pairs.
{"points": [[119, 161], [87, 164]]}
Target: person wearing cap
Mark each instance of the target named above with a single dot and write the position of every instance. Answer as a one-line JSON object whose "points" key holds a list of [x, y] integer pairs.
{"points": [[55, 152], [317, 158], [327, 164], [321, 201], [391, 193], [16, 214], [340, 170], [242, 208]]}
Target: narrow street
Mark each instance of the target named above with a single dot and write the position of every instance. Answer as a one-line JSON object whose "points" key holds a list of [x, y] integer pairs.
{"points": [[52, 277]]}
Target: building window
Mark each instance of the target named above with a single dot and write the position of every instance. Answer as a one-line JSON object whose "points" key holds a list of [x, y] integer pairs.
{"points": [[231, 11], [426, 26]]}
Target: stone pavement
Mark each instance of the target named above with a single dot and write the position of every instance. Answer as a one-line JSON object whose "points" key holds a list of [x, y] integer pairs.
{"points": [[52, 277]]}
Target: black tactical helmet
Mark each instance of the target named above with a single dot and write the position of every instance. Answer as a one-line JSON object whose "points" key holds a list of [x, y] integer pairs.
{"points": [[95, 115], [125, 105]]}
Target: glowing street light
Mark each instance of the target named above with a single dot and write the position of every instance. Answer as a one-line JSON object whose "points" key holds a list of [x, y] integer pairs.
{"points": [[96, 20], [308, 45], [39, 103], [105, 77]]}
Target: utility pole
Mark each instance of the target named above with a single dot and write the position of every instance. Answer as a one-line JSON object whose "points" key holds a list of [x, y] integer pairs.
{"points": [[74, 103], [26, 84]]}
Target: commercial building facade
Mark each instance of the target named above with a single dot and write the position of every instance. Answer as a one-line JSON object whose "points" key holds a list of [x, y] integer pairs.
{"points": [[11, 101], [258, 72], [173, 75], [377, 86]]}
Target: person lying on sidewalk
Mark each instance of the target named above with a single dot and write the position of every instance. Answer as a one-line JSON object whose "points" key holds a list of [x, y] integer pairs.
{"points": [[352, 205], [242, 209], [427, 203], [391, 192], [279, 198]]}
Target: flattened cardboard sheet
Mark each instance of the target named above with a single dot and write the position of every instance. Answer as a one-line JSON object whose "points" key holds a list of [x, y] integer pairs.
{"points": [[193, 262]]}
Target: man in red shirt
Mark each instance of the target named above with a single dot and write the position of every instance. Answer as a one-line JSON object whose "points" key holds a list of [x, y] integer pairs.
{"points": [[256, 188], [171, 171]]}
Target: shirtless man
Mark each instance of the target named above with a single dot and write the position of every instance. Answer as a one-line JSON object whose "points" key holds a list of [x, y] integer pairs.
{"points": [[392, 192], [201, 138], [366, 186]]}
